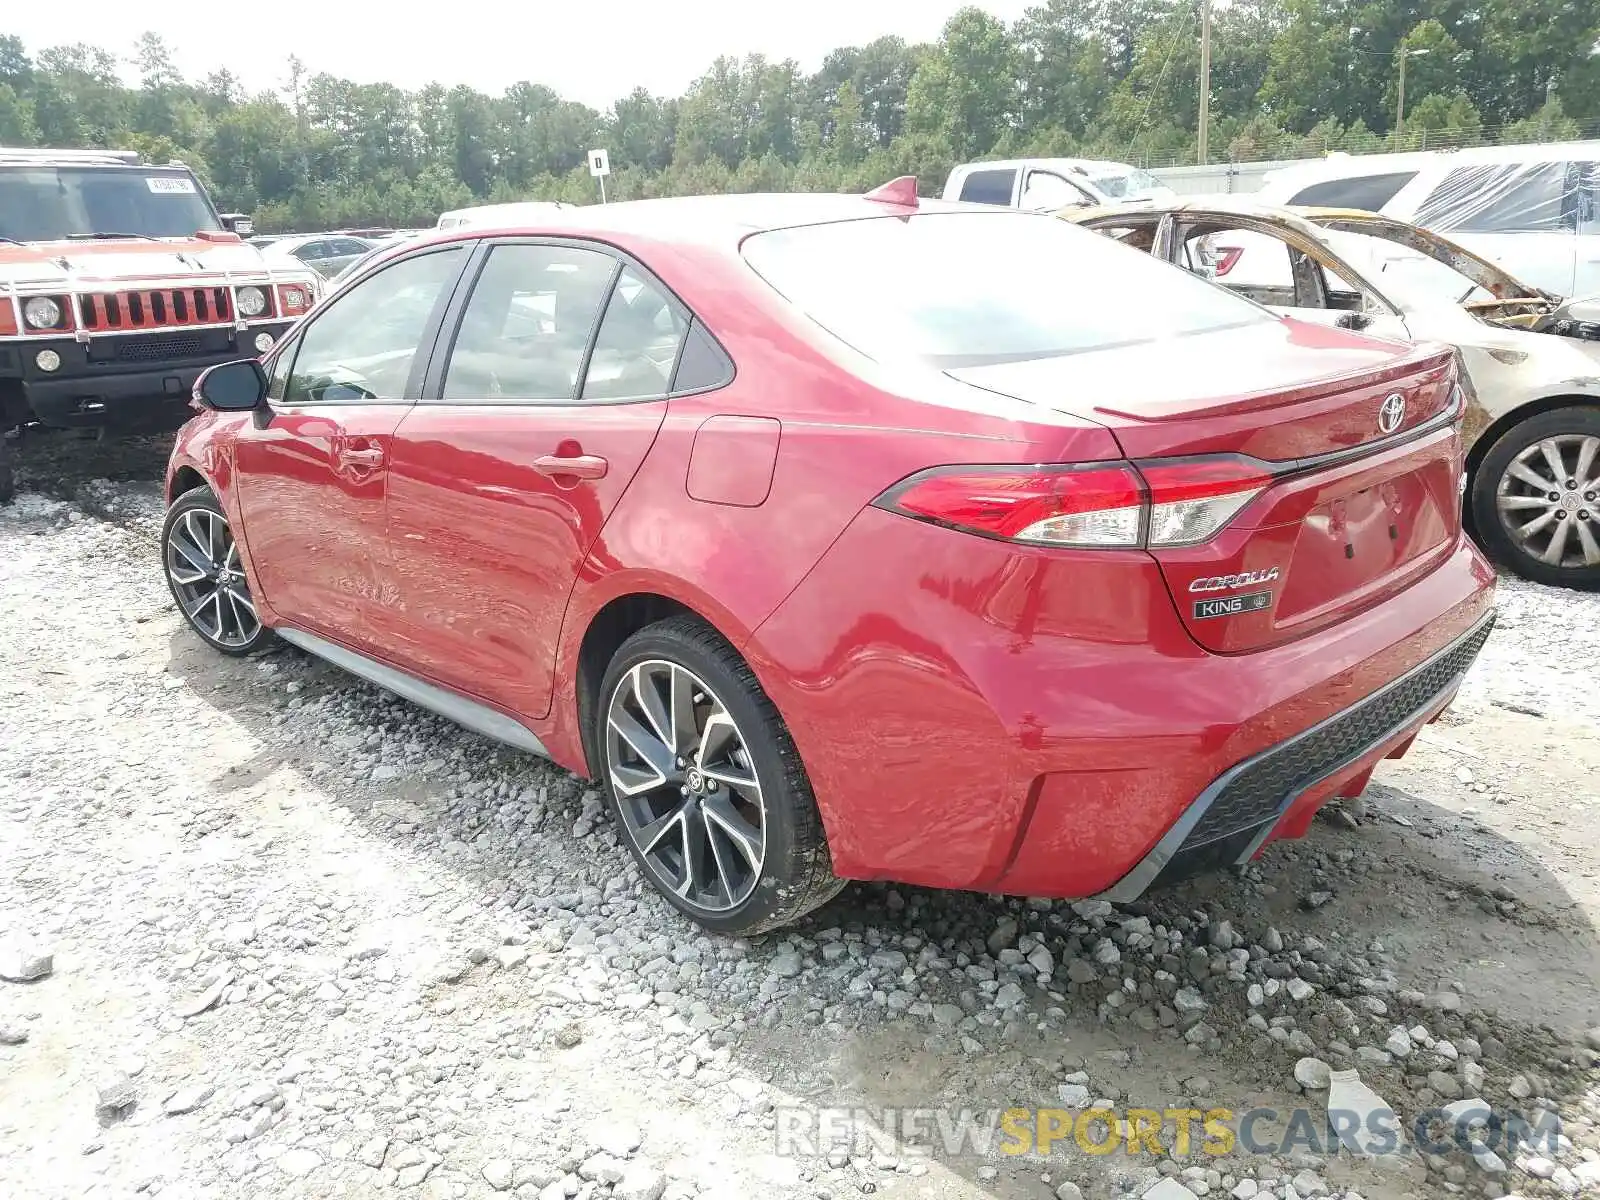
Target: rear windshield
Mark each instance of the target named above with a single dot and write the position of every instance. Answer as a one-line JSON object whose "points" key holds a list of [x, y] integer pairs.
{"points": [[969, 289]]}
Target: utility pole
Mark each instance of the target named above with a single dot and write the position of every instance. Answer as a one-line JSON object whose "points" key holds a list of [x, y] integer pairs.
{"points": [[1400, 116], [1205, 81]]}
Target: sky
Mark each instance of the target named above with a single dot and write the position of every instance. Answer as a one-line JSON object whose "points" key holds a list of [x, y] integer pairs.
{"points": [[594, 51]]}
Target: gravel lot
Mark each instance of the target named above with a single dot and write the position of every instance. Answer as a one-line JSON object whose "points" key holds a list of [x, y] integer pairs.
{"points": [[306, 940]]}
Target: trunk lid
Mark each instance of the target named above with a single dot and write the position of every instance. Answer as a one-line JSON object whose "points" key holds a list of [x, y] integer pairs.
{"points": [[1358, 504]]}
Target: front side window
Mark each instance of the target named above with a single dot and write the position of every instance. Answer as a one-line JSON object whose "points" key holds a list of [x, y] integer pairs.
{"points": [[1046, 191], [989, 187], [278, 381], [527, 324], [44, 204], [1509, 198], [972, 288], [638, 342], [362, 346]]}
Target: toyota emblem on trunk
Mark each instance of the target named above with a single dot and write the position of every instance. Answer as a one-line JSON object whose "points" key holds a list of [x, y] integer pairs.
{"points": [[1391, 412]]}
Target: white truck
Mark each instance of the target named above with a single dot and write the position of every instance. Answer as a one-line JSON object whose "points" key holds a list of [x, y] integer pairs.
{"points": [[1048, 184]]}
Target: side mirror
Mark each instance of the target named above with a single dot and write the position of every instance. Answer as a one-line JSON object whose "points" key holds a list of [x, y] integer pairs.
{"points": [[239, 223], [232, 386]]}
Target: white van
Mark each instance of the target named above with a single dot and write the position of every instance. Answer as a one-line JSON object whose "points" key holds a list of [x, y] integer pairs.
{"points": [[500, 214], [1535, 210], [1046, 184]]}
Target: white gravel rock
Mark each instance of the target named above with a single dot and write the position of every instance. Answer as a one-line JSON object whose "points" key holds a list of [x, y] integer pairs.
{"points": [[186, 1100], [20, 965], [640, 1182], [298, 1163], [1311, 1073]]}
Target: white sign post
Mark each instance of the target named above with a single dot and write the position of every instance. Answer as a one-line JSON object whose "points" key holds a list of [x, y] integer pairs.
{"points": [[600, 167]]}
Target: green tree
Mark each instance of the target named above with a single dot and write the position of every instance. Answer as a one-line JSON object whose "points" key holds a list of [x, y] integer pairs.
{"points": [[965, 92], [16, 119]]}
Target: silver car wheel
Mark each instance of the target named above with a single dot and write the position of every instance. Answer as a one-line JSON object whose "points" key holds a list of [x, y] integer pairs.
{"points": [[207, 576], [686, 786], [1549, 500]]}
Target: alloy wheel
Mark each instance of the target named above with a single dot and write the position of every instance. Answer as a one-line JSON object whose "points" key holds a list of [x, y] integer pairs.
{"points": [[686, 785], [1549, 500], [202, 561]]}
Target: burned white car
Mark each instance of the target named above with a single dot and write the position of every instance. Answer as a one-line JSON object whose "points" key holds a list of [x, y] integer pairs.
{"points": [[1532, 358]]}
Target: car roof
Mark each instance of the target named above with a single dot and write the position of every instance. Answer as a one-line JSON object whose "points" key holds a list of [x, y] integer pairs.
{"points": [[721, 220], [1346, 166]]}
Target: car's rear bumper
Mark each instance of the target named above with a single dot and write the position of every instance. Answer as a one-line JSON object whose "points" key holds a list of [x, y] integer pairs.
{"points": [[1229, 822], [122, 379], [979, 716]]}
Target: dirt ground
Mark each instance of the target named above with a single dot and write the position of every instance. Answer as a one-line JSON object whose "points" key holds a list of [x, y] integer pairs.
{"points": [[325, 944]]}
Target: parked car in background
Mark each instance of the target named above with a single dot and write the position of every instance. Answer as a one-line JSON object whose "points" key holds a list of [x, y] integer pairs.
{"points": [[485, 215], [840, 540], [1533, 210], [379, 248], [119, 283], [325, 253], [1046, 184], [1532, 358]]}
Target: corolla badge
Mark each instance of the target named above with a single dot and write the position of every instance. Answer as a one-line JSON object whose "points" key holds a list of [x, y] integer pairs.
{"points": [[1232, 583], [1391, 412]]}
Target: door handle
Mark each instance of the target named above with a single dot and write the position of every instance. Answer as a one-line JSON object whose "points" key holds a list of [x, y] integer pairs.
{"points": [[372, 457], [580, 466]]}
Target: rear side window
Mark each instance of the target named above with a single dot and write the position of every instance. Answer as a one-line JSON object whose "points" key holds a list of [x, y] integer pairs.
{"points": [[989, 187], [1506, 198], [703, 365], [1369, 193], [969, 289], [637, 345]]}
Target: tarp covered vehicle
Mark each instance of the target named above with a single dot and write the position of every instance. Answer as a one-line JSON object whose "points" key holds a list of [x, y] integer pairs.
{"points": [[1532, 357], [119, 283]]}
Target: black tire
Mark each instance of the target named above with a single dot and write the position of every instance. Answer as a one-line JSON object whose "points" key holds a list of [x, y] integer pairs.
{"points": [[795, 874], [1496, 537], [222, 628]]}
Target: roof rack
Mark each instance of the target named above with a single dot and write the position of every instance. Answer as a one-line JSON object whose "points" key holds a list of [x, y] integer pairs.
{"points": [[19, 154]]}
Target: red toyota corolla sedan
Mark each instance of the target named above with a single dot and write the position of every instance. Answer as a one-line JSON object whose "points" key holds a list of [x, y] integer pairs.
{"points": [[853, 538]]}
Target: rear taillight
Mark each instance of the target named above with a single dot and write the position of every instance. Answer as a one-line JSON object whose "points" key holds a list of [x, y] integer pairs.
{"points": [[1227, 256], [1192, 500], [1177, 502], [1099, 505]]}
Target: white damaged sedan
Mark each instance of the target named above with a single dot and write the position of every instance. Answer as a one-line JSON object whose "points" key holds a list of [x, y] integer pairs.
{"points": [[1532, 358]]}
